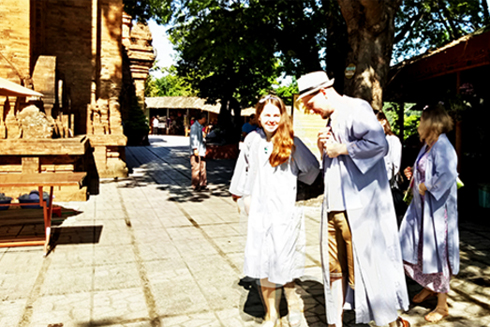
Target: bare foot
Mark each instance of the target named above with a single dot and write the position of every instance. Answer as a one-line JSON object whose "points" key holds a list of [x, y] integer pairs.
{"points": [[423, 295], [436, 315]]}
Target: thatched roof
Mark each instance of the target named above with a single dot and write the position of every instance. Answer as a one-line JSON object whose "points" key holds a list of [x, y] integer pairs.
{"points": [[180, 102]]}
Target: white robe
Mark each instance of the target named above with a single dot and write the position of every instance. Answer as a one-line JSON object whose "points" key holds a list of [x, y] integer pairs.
{"points": [[275, 247], [380, 287], [393, 158]]}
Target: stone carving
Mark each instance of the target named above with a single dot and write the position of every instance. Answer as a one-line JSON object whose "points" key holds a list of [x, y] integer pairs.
{"points": [[11, 123], [44, 79], [115, 119], [137, 40], [3, 130], [102, 126], [103, 117], [35, 124]]}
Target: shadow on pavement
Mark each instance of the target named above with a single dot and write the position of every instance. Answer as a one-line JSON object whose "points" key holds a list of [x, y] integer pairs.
{"points": [[168, 167], [252, 301], [25, 223], [75, 235], [116, 321]]}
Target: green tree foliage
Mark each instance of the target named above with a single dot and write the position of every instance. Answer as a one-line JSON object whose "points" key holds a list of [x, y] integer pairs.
{"points": [[424, 24], [136, 126], [299, 33], [151, 88], [286, 92], [224, 56], [169, 84], [300, 30], [411, 119], [233, 51], [143, 10]]}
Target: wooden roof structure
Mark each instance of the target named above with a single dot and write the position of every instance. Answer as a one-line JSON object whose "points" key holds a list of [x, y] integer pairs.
{"points": [[463, 62]]}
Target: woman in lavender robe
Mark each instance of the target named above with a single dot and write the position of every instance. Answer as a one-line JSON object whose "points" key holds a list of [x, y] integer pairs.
{"points": [[429, 231], [270, 163]]}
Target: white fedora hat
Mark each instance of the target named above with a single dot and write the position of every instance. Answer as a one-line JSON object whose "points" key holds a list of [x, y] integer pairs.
{"points": [[312, 82]]}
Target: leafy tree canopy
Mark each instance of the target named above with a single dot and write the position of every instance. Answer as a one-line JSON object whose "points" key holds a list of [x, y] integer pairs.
{"points": [[143, 10], [286, 92], [236, 49], [170, 84], [232, 50], [223, 55], [425, 24]]}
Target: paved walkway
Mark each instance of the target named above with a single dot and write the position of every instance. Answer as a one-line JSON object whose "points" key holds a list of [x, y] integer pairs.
{"points": [[147, 251]]}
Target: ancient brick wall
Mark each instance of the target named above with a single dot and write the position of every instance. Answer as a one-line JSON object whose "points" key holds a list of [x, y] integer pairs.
{"points": [[80, 42], [68, 36], [73, 50], [15, 45], [110, 54]]}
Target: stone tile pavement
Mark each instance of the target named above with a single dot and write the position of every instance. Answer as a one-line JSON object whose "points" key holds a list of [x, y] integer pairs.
{"points": [[146, 251]]}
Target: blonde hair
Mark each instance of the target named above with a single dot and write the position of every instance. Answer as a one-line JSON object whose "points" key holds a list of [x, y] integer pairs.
{"points": [[283, 138], [433, 122]]}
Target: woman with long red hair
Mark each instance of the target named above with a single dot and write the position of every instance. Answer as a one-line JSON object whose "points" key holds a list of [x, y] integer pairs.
{"points": [[264, 182]]}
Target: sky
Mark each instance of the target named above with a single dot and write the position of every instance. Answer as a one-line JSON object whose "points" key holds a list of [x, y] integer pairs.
{"points": [[162, 46]]}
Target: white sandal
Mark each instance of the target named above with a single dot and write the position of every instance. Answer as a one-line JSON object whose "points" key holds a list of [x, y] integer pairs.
{"points": [[294, 318], [271, 323]]}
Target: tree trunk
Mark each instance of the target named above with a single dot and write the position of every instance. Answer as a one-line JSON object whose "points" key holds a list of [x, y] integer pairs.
{"points": [[401, 121], [336, 43], [370, 29], [231, 126]]}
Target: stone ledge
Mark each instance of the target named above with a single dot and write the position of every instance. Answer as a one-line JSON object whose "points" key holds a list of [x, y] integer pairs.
{"points": [[108, 140], [28, 147]]}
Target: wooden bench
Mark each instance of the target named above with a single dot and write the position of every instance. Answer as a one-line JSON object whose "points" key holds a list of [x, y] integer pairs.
{"points": [[39, 181]]}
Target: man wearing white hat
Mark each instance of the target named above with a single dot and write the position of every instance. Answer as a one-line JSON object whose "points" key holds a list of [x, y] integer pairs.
{"points": [[360, 249]]}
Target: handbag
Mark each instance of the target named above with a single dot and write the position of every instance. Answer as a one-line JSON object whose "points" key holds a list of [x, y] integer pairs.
{"points": [[397, 193], [407, 198], [459, 183]]}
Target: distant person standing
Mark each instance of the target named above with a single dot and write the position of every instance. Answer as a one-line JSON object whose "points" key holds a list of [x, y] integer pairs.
{"points": [[198, 154], [393, 160], [250, 125], [154, 125]]}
